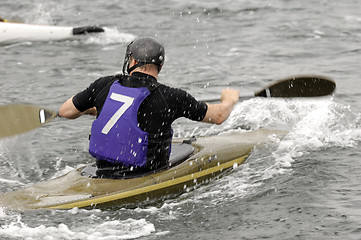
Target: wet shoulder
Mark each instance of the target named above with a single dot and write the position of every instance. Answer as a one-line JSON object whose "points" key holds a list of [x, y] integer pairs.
{"points": [[104, 81], [173, 93]]}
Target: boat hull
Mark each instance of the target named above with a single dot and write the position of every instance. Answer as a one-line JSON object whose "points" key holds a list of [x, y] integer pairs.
{"points": [[19, 32], [212, 156]]}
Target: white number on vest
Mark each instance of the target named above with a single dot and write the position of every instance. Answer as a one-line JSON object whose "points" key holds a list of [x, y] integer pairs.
{"points": [[128, 101]]}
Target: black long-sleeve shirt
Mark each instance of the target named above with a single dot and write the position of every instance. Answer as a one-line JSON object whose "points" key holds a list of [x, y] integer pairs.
{"points": [[156, 113]]}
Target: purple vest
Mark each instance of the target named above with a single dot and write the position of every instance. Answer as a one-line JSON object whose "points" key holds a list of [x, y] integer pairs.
{"points": [[115, 134]]}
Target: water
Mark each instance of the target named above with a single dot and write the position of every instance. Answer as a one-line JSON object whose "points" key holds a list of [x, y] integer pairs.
{"points": [[304, 186]]}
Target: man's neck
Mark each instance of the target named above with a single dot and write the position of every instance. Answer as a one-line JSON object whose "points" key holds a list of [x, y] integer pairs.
{"points": [[151, 73]]}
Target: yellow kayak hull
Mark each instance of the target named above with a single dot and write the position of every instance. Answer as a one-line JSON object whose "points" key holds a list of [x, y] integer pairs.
{"points": [[212, 156]]}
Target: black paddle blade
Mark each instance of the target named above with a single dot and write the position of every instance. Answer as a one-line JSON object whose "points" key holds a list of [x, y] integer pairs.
{"points": [[299, 86], [86, 30], [20, 118]]}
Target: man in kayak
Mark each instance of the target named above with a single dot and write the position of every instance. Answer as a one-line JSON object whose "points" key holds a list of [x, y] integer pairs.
{"points": [[135, 112]]}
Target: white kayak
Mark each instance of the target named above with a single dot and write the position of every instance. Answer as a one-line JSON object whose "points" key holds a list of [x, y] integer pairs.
{"points": [[19, 32]]}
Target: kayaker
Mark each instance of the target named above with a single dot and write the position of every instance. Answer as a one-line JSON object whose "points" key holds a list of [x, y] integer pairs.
{"points": [[135, 112]]}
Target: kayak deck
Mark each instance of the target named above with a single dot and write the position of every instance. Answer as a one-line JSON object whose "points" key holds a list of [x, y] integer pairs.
{"points": [[180, 152], [212, 155]]}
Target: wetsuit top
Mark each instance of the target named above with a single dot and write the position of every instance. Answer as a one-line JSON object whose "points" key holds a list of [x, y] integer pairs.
{"points": [[155, 115]]}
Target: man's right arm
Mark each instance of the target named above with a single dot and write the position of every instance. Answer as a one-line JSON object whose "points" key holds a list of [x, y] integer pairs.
{"points": [[68, 110], [84, 101]]}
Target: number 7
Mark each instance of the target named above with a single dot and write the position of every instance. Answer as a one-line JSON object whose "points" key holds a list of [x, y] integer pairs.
{"points": [[128, 101]]}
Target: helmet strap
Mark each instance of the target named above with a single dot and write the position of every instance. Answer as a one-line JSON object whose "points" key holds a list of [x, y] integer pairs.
{"points": [[135, 66]]}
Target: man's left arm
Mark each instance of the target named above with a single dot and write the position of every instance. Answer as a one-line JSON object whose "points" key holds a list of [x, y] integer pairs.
{"points": [[218, 113]]}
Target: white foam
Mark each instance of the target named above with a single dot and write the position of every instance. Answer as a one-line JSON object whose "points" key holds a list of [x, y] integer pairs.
{"points": [[2, 213], [109, 37], [312, 124], [107, 230], [66, 170], [11, 181]]}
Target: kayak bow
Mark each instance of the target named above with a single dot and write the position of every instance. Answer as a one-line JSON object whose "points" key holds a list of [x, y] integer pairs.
{"points": [[20, 32]]}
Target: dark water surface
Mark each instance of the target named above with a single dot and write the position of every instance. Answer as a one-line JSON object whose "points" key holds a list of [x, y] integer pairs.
{"points": [[304, 186]]}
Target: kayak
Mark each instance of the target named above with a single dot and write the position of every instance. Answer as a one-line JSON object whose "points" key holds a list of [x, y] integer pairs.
{"points": [[192, 163], [19, 32]]}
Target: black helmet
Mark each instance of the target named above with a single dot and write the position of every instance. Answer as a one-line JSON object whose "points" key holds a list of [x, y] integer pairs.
{"points": [[144, 50]]}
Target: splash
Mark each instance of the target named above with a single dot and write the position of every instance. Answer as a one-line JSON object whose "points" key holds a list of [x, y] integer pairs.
{"points": [[109, 37], [43, 13], [105, 229], [313, 125]]}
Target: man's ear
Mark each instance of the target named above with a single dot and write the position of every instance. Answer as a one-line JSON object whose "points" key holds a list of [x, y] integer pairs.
{"points": [[132, 62]]}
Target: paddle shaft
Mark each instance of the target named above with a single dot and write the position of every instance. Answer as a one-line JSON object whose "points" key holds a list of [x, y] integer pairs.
{"points": [[20, 118], [297, 86], [218, 99]]}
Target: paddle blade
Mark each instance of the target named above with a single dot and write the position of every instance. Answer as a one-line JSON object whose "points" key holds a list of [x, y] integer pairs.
{"points": [[20, 118], [299, 86], [87, 29]]}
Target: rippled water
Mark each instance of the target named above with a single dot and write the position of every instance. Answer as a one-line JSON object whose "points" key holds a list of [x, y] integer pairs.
{"points": [[304, 186]]}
